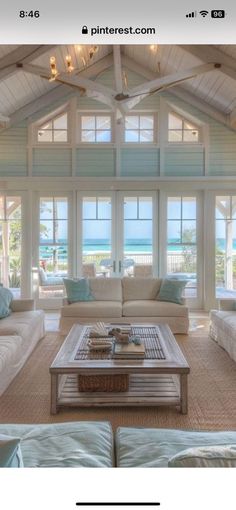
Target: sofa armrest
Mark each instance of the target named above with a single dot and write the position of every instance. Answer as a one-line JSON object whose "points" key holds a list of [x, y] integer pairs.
{"points": [[227, 305], [22, 305]]}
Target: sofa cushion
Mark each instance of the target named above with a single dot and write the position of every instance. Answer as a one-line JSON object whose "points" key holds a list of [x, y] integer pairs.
{"points": [[19, 333], [22, 323], [10, 351], [6, 298], [10, 452], [140, 288], [106, 289], [143, 447], [172, 291], [76, 444], [77, 290], [93, 309], [205, 456], [153, 308], [56, 280], [225, 321]]}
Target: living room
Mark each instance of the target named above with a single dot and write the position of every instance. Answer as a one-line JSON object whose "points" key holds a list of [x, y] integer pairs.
{"points": [[117, 166]]}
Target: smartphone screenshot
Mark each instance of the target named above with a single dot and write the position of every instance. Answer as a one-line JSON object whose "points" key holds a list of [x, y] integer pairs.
{"points": [[117, 255]]}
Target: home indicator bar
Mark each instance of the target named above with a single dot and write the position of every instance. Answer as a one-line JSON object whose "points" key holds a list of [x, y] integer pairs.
{"points": [[128, 503]]}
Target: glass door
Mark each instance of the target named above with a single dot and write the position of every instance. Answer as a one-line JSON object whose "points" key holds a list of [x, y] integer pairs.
{"points": [[184, 244], [53, 245], [96, 242], [10, 243], [225, 244], [137, 237]]}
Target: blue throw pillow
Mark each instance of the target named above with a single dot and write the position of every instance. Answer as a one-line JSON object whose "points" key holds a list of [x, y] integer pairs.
{"points": [[6, 298], [10, 452], [172, 290], [77, 290]]}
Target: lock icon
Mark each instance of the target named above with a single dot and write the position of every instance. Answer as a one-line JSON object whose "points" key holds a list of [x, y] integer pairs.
{"points": [[84, 30]]}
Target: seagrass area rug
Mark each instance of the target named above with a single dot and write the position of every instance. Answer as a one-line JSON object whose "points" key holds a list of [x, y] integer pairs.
{"points": [[212, 390]]}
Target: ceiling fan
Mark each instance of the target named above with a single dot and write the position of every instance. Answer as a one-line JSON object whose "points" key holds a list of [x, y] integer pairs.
{"points": [[119, 98]]}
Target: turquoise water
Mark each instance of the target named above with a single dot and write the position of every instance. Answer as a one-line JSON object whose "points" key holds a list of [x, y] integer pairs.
{"points": [[103, 246]]}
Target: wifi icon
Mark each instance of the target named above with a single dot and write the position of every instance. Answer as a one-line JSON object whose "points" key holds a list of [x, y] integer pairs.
{"points": [[204, 13]]}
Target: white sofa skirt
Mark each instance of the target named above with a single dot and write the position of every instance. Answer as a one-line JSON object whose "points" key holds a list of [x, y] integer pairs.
{"points": [[177, 324], [19, 334], [223, 330]]}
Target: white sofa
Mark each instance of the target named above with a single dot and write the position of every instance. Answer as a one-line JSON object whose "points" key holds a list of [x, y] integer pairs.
{"points": [[125, 300], [19, 333], [223, 326]]}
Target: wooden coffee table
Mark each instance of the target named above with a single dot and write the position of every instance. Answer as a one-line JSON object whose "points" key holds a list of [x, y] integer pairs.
{"points": [[152, 381]]}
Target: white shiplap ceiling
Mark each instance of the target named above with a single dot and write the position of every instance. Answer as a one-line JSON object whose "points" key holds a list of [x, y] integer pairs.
{"points": [[215, 89]]}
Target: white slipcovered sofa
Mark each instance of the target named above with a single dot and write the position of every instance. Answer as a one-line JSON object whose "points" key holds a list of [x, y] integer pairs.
{"points": [[223, 326], [19, 333], [125, 300]]}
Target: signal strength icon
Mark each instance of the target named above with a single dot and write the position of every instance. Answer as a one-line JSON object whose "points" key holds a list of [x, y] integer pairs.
{"points": [[192, 14], [204, 13]]}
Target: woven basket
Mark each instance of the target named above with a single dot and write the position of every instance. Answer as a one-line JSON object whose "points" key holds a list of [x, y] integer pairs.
{"points": [[118, 382]]}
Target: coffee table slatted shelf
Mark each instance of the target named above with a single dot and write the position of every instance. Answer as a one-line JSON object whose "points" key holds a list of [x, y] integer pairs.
{"points": [[152, 382], [151, 390]]}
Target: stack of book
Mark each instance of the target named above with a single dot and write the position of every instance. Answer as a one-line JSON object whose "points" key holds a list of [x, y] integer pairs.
{"points": [[128, 351]]}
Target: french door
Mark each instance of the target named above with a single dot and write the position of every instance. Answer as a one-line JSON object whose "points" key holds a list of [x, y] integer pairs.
{"points": [[116, 234], [137, 234], [181, 242], [10, 243]]}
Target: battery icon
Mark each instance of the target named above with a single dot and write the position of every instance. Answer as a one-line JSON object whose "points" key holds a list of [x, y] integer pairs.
{"points": [[218, 13]]}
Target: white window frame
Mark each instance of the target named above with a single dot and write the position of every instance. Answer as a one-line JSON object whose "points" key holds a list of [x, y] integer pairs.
{"points": [[117, 234], [155, 226], [25, 288], [184, 118], [194, 302], [94, 113], [143, 113], [54, 302], [51, 118]]}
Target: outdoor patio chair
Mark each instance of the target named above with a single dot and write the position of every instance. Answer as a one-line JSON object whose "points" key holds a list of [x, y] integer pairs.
{"points": [[50, 283], [143, 270], [89, 270]]}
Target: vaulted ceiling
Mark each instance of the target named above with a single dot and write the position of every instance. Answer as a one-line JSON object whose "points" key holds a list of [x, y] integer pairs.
{"points": [[189, 70]]}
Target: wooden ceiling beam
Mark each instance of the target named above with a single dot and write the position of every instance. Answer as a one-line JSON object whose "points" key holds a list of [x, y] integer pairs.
{"points": [[27, 111], [209, 53], [117, 68], [24, 54], [77, 81]]}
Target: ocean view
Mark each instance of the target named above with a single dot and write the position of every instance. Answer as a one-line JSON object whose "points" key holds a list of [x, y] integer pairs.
{"points": [[131, 246]]}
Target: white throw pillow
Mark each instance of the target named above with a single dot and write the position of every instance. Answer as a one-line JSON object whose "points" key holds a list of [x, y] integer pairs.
{"points": [[10, 452], [205, 456]]}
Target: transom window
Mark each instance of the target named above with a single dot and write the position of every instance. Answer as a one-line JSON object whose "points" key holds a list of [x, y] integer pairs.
{"points": [[139, 128], [181, 130], [55, 130], [96, 128]]}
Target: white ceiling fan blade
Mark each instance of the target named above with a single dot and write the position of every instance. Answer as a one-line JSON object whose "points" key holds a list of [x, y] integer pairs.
{"points": [[172, 79]]}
